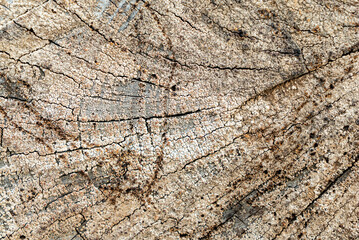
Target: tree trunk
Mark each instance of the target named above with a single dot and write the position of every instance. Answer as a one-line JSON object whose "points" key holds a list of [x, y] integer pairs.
{"points": [[135, 119]]}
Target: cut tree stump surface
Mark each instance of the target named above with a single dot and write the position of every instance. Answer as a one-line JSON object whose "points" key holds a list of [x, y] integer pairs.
{"points": [[169, 119]]}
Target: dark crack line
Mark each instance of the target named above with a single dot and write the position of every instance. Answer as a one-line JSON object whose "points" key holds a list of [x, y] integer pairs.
{"points": [[186, 21], [110, 40], [28, 10], [347, 52]]}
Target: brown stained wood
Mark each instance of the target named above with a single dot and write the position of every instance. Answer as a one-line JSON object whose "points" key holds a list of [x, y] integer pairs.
{"points": [[179, 119]]}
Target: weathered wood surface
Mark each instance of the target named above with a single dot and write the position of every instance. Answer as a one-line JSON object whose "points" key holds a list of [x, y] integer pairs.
{"points": [[171, 119]]}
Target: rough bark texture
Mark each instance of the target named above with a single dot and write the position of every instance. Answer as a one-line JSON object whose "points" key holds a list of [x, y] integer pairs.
{"points": [[170, 119]]}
